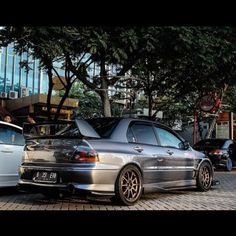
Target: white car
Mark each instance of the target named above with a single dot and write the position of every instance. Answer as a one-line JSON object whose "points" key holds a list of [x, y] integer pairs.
{"points": [[11, 147]]}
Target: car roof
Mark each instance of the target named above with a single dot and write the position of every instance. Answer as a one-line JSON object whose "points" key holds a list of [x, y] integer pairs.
{"points": [[119, 133], [11, 125], [129, 119]]}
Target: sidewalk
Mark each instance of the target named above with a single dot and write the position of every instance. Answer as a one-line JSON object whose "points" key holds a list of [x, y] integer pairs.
{"points": [[220, 197]]}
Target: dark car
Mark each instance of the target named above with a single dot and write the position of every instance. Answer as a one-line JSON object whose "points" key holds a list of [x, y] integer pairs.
{"points": [[221, 152], [116, 157]]}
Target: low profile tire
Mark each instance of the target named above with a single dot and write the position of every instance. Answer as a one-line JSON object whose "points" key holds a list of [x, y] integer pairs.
{"points": [[204, 177], [229, 164], [128, 187]]}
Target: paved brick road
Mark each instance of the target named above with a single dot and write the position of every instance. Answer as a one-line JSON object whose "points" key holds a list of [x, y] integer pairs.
{"points": [[220, 197]]}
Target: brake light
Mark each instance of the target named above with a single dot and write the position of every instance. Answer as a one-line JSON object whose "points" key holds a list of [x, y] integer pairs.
{"points": [[216, 152], [86, 155]]}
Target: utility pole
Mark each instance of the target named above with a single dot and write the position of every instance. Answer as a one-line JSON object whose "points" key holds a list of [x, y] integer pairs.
{"points": [[231, 125]]}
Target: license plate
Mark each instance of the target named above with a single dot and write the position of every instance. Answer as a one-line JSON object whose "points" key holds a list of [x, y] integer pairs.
{"points": [[45, 177]]}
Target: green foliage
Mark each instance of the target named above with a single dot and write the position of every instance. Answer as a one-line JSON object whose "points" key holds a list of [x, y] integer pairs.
{"points": [[187, 62], [176, 62], [89, 102], [230, 99]]}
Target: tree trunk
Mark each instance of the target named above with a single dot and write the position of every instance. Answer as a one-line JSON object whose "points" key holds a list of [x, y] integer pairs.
{"points": [[213, 123], [62, 101], [149, 105], [50, 86], [149, 93], [104, 90], [106, 103], [105, 98], [212, 126]]}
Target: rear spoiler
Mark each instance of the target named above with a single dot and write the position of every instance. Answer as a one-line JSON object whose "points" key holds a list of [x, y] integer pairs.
{"points": [[54, 129], [86, 129]]}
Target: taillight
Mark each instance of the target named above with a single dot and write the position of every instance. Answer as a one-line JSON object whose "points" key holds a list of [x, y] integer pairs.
{"points": [[216, 152], [86, 154]]}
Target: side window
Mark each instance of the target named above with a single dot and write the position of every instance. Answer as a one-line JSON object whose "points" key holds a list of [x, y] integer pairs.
{"points": [[143, 134], [10, 135], [168, 139], [130, 136]]}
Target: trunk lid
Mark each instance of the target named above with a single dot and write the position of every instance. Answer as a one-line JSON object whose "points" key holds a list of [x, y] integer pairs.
{"points": [[57, 142]]}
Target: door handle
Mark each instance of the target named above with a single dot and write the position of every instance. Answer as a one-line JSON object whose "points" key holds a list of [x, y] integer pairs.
{"points": [[138, 149], [7, 151], [170, 152]]}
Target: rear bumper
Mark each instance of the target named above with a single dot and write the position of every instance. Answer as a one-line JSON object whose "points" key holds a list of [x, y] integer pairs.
{"points": [[71, 188], [68, 189], [72, 180], [218, 161]]}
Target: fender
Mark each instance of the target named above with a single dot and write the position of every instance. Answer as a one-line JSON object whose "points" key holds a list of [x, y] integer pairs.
{"points": [[199, 164]]}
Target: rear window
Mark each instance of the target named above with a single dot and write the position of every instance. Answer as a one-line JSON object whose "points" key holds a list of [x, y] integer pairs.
{"points": [[104, 126], [60, 129], [213, 143], [69, 130]]}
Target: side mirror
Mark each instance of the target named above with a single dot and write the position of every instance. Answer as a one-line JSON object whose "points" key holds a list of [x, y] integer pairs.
{"points": [[186, 145]]}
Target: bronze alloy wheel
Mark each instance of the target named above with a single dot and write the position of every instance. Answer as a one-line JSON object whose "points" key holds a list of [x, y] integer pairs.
{"points": [[129, 185], [204, 178]]}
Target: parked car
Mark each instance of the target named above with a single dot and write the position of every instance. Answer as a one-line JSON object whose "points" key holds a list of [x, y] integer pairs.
{"points": [[11, 149], [116, 157], [222, 152]]}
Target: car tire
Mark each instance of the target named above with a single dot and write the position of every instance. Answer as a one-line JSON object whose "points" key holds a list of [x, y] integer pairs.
{"points": [[128, 186], [204, 177], [229, 164]]}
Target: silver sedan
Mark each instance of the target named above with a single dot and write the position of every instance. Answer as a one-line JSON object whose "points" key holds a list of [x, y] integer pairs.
{"points": [[117, 157]]}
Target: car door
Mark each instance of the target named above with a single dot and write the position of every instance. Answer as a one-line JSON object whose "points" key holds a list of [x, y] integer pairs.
{"points": [[11, 147], [179, 162], [143, 141]]}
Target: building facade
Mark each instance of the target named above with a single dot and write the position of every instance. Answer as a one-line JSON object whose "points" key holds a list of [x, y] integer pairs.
{"points": [[17, 80], [22, 76]]}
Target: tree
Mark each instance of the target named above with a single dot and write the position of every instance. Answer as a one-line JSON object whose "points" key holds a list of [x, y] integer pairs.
{"points": [[189, 61], [80, 47], [40, 43], [178, 62], [90, 105], [108, 47]]}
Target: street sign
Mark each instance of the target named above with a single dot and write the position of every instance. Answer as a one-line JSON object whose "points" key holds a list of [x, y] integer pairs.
{"points": [[207, 103]]}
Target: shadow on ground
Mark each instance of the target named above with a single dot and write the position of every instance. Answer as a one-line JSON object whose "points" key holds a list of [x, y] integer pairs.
{"points": [[8, 191]]}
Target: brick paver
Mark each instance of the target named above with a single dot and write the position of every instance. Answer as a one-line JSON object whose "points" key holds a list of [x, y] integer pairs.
{"points": [[220, 197]]}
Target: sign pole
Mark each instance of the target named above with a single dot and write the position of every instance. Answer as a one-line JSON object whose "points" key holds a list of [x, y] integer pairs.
{"points": [[195, 127]]}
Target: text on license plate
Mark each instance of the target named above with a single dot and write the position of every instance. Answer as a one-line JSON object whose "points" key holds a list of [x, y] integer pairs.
{"points": [[45, 176]]}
